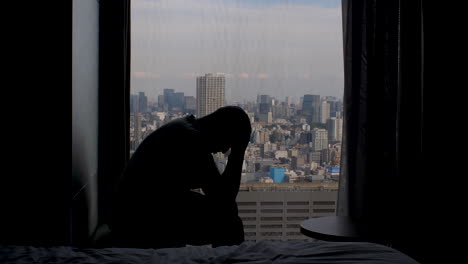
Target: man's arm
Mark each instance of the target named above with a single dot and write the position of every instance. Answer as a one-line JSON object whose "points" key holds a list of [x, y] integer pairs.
{"points": [[233, 170], [227, 184]]}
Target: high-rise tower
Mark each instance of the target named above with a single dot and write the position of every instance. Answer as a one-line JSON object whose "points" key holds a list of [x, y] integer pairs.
{"points": [[311, 107], [210, 93]]}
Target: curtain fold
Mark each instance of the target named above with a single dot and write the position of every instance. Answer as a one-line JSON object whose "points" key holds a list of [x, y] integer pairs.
{"points": [[383, 99]]}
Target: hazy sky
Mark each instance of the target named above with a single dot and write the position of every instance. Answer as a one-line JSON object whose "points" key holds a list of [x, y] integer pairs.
{"points": [[276, 47]]}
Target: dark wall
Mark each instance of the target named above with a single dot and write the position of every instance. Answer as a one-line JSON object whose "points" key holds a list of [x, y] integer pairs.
{"points": [[56, 61], [36, 99]]}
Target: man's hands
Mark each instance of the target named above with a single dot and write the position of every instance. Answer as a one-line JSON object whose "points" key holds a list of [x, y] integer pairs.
{"points": [[238, 148]]}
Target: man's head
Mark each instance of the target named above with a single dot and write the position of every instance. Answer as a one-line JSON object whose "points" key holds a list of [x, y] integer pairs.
{"points": [[227, 127]]}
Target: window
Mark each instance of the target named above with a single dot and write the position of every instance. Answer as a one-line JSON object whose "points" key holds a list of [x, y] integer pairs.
{"points": [[298, 203], [296, 218], [271, 226], [293, 234], [271, 211], [281, 61], [247, 211], [271, 203], [324, 203], [294, 226], [250, 234], [271, 218], [324, 210], [298, 211], [246, 203], [271, 233]]}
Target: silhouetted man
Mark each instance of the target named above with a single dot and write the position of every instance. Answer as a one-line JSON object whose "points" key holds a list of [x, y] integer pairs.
{"points": [[155, 205]]}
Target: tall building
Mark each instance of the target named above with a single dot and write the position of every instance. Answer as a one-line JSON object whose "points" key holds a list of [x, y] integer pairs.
{"points": [[265, 117], [137, 129], [264, 103], [142, 102], [339, 129], [169, 99], [138, 103], [179, 101], [335, 129], [319, 139], [336, 108], [324, 112], [190, 104], [311, 107], [210, 93], [161, 101], [265, 108], [134, 103]]}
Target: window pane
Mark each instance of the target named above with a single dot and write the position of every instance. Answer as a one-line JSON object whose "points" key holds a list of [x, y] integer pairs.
{"points": [[281, 61]]}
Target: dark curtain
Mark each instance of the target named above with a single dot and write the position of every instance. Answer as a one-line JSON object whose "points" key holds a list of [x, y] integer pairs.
{"points": [[383, 135], [35, 177], [114, 93]]}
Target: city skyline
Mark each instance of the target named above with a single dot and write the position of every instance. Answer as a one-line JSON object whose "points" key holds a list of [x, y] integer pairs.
{"points": [[280, 48], [293, 99], [286, 138]]}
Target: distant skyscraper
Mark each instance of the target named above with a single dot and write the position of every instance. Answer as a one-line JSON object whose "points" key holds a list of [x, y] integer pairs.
{"points": [[319, 139], [324, 112], [264, 108], [169, 98], [311, 107], [264, 99], [142, 102], [264, 103], [210, 93], [265, 117], [137, 129], [335, 129], [179, 101], [190, 105], [161, 101], [134, 103], [336, 108]]}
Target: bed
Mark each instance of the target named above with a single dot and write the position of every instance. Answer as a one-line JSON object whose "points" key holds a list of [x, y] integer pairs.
{"points": [[247, 252]]}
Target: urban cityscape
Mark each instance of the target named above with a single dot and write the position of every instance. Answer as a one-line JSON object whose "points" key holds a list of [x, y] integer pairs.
{"points": [[291, 166], [291, 142]]}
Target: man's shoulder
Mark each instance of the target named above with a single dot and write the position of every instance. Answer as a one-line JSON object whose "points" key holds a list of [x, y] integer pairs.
{"points": [[182, 124], [176, 134]]}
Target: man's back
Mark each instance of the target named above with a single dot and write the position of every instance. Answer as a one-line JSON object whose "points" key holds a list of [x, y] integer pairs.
{"points": [[160, 175], [155, 206], [170, 159]]}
